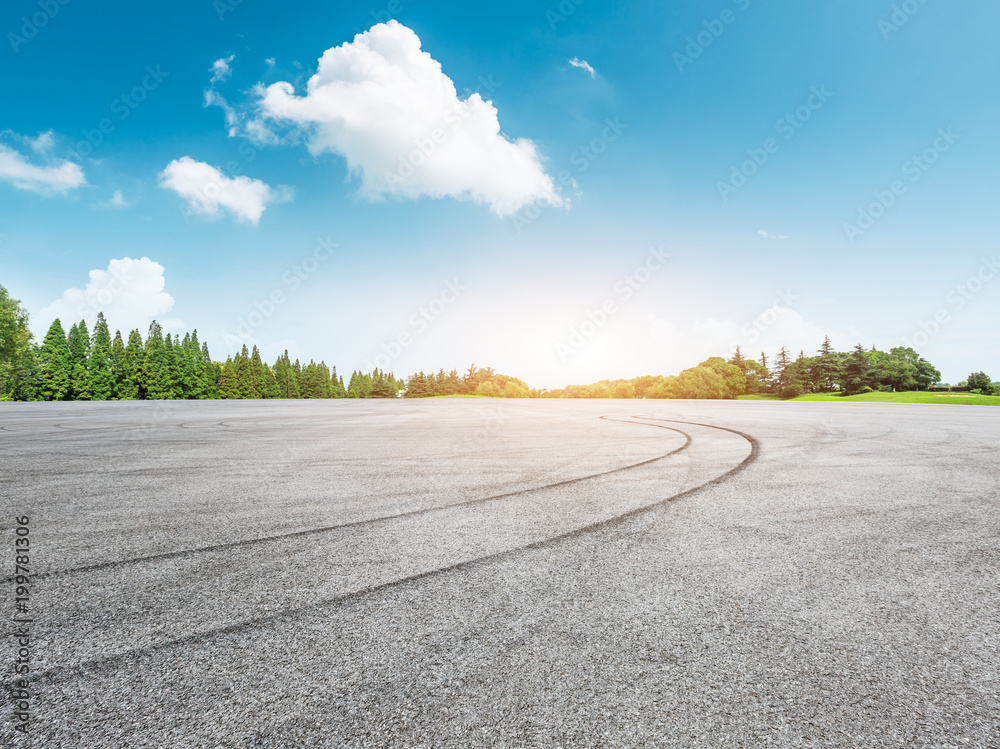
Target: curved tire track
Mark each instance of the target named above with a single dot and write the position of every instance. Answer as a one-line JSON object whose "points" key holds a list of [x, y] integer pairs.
{"points": [[353, 524], [63, 672]]}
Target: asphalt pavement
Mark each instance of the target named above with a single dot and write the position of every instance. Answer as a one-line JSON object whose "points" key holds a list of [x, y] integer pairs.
{"points": [[501, 573]]}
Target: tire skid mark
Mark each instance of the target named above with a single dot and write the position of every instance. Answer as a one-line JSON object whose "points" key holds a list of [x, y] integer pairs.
{"points": [[68, 672], [353, 524]]}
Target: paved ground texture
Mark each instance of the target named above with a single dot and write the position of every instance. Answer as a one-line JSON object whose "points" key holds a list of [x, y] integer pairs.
{"points": [[472, 573]]}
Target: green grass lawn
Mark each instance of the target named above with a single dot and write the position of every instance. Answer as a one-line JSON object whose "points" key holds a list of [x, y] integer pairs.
{"points": [[968, 399]]}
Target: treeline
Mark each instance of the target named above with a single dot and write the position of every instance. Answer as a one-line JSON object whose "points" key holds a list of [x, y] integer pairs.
{"points": [[850, 373], [84, 365], [80, 365], [857, 371], [484, 383]]}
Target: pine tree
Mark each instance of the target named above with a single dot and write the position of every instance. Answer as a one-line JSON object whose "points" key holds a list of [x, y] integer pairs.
{"points": [[174, 363], [100, 364], [245, 384], [213, 373], [782, 360], [455, 383], [78, 342], [857, 371], [228, 384], [286, 377], [263, 378], [158, 364], [382, 388], [315, 381], [416, 386], [54, 364], [738, 359], [829, 366], [361, 384], [186, 353], [117, 366], [827, 348], [133, 376], [206, 371], [323, 380], [337, 389]]}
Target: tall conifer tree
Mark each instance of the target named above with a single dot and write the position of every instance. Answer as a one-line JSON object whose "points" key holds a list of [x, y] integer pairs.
{"points": [[78, 342], [100, 362], [54, 364]]}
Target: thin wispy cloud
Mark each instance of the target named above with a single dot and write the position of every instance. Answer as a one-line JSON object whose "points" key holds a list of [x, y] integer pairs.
{"points": [[766, 235], [576, 62], [43, 143], [56, 177], [221, 70]]}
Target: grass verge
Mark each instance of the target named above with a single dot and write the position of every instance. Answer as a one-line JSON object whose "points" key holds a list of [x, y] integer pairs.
{"points": [[968, 399]]}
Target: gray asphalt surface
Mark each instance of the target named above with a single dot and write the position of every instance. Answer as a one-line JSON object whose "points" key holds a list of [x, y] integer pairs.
{"points": [[506, 573]]}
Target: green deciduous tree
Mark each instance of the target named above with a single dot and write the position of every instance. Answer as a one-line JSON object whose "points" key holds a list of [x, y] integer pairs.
{"points": [[17, 365], [981, 381], [731, 374], [696, 382]]}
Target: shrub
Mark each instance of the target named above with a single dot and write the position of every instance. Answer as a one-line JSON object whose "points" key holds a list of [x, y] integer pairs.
{"points": [[980, 381], [792, 390]]}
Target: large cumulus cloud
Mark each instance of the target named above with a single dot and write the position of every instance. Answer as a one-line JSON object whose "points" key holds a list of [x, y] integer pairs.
{"points": [[387, 107]]}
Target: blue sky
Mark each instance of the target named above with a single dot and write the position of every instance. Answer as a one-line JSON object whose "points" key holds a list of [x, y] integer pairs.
{"points": [[620, 184]]}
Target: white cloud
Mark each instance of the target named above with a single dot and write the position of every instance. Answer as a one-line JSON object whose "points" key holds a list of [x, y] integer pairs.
{"points": [[576, 62], [129, 293], [215, 99], [220, 72], [771, 236], [58, 177], [206, 190], [220, 68], [117, 201], [387, 107], [43, 143]]}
